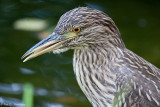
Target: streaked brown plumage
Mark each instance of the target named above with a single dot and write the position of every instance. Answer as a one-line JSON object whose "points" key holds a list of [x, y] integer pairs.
{"points": [[107, 72]]}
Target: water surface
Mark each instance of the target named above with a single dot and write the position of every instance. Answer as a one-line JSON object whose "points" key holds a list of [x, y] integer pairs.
{"points": [[51, 75]]}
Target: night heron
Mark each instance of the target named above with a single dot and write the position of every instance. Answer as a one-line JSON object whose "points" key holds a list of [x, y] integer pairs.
{"points": [[108, 73]]}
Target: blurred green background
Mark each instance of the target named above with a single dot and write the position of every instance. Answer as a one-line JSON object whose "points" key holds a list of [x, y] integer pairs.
{"points": [[25, 22]]}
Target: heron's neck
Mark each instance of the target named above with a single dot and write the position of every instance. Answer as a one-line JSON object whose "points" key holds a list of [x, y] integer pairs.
{"points": [[91, 67], [98, 54]]}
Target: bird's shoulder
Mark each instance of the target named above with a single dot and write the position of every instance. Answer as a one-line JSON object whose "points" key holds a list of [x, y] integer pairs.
{"points": [[143, 78], [137, 65]]}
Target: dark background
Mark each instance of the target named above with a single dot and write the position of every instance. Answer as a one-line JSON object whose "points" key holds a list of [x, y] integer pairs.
{"points": [[51, 75]]}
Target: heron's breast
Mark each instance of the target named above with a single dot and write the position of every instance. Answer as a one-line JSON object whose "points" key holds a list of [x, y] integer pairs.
{"points": [[97, 84]]}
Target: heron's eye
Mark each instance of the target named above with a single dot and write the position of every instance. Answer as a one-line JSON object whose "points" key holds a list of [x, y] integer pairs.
{"points": [[76, 30]]}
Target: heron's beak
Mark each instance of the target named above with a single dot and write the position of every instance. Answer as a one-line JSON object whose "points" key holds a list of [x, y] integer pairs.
{"points": [[50, 43]]}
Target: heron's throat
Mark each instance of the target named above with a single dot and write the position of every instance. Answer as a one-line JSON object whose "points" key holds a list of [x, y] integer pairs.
{"points": [[93, 75]]}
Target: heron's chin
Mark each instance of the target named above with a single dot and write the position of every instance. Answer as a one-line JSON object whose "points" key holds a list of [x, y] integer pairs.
{"points": [[53, 43], [57, 51]]}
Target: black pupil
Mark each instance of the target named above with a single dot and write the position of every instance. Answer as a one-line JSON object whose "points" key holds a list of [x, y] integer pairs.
{"points": [[76, 29]]}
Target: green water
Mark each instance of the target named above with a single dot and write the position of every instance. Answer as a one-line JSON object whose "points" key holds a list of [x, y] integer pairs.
{"points": [[52, 75]]}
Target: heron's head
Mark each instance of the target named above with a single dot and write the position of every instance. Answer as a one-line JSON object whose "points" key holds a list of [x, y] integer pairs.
{"points": [[78, 28]]}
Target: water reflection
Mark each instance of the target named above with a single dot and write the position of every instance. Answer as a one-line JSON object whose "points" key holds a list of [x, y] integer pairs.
{"points": [[13, 88], [30, 24], [41, 92], [26, 71], [10, 102], [45, 104]]}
